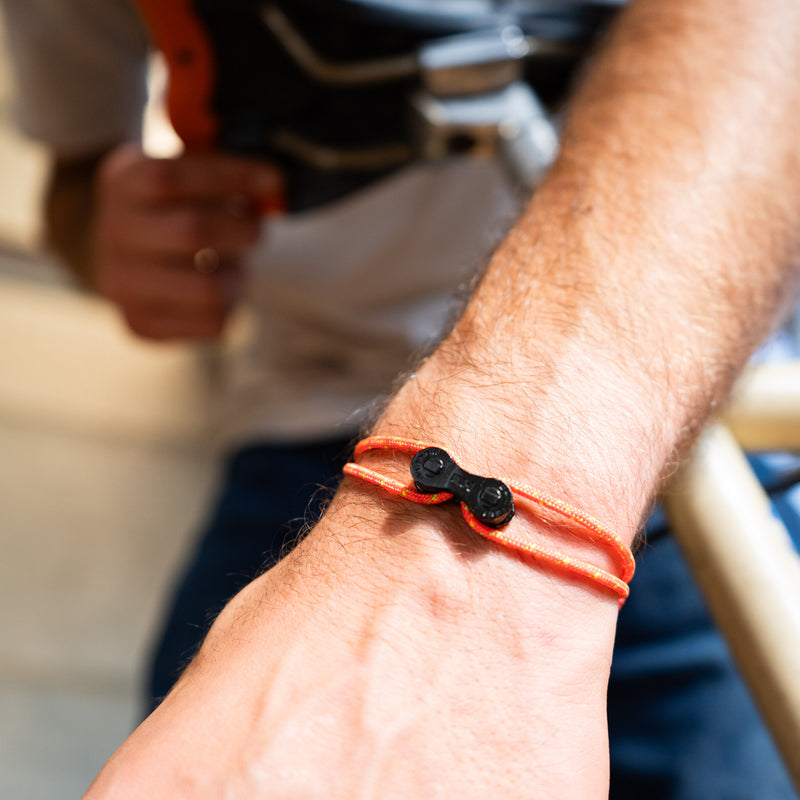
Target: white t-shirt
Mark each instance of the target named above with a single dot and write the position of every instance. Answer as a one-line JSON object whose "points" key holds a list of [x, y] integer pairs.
{"points": [[345, 295], [80, 71], [341, 297]]}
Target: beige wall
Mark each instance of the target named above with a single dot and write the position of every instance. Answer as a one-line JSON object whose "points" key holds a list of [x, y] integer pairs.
{"points": [[104, 472]]}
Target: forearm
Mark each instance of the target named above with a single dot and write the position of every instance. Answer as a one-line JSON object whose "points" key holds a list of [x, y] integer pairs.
{"points": [[619, 310], [617, 313], [608, 326], [394, 652]]}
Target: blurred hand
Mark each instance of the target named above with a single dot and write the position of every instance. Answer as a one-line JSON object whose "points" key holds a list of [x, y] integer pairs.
{"points": [[168, 236]]}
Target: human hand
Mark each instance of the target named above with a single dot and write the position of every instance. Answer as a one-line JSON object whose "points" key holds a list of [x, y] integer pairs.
{"points": [[392, 655], [168, 235]]}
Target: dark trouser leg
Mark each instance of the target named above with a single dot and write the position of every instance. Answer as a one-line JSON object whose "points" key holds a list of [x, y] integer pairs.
{"points": [[681, 723], [267, 493]]}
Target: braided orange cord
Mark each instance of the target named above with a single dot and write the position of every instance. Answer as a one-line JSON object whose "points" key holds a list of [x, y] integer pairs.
{"points": [[395, 487], [595, 530], [550, 556], [388, 443]]}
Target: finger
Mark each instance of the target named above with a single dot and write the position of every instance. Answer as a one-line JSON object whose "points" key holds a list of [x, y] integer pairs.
{"points": [[159, 324], [206, 176], [164, 284], [181, 231]]}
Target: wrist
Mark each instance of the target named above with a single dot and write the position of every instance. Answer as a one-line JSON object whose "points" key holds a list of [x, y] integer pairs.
{"points": [[595, 445], [380, 628], [427, 558]]}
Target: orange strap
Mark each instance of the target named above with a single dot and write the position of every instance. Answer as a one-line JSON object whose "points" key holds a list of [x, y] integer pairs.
{"points": [[180, 34], [181, 37], [582, 522]]}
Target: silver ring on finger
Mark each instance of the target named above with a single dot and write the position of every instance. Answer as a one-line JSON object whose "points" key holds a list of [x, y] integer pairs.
{"points": [[206, 261]]}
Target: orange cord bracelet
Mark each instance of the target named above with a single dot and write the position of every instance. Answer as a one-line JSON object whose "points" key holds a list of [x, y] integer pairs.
{"points": [[593, 529]]}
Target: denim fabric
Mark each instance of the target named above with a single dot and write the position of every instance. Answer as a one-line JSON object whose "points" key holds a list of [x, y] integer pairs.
{"points": [[267, 495], [681, 724]]}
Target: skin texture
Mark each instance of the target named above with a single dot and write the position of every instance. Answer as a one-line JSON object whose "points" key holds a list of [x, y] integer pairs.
{"points": [[395, 654]]}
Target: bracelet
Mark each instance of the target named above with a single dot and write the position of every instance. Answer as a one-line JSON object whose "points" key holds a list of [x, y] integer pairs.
{"points": [[487, 505]]}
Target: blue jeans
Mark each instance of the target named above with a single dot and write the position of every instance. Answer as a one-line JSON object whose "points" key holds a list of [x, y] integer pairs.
{"points": [[681, 724]]}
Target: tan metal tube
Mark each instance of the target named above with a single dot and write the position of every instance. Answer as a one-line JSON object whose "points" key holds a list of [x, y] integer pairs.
{"points": [[749, 573], [764, 412]]}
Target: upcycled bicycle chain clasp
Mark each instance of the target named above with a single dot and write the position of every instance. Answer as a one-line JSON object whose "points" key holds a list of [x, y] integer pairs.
{"points": [[489, 499]]}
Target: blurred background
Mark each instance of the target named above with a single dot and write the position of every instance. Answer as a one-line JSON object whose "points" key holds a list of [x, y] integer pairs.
{"points": [[105, 466]]}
